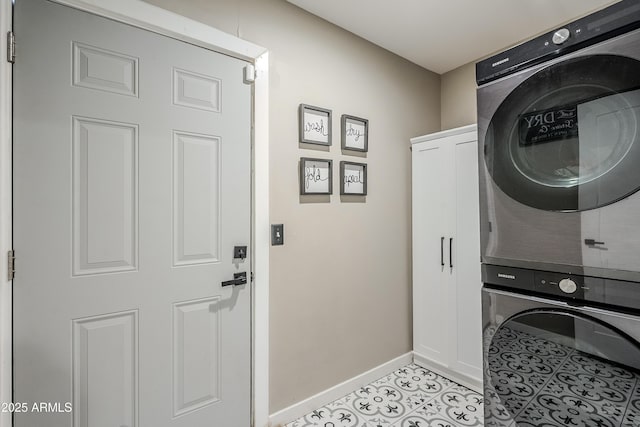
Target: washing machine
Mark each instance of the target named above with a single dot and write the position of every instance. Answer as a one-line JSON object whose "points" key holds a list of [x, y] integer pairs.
{"points": [[559, 164], [553, 361]]}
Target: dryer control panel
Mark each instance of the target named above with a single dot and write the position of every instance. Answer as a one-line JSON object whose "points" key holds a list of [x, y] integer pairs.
{"points": [[616, 19]]}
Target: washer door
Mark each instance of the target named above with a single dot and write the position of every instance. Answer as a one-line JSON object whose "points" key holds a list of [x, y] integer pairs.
{"points": [[552, 367], [567, 138]]}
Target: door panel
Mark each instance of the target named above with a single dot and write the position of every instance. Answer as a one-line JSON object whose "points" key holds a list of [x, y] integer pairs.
{"points": [[105, 229], [431, 199], [112, 338], [467, 259], [101, 69], [196, 358], [196, 198], [132, 185]]}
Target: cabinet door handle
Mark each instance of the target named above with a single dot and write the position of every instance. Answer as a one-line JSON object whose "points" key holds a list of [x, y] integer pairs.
{"points": [[592, 242], [442, 251], [450, 252]]}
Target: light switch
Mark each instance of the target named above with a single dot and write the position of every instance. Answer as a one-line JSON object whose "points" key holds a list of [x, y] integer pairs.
{"points": [[277, 234]]}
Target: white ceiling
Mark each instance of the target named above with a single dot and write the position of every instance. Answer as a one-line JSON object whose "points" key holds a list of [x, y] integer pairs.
{"points": [[441, 35]]}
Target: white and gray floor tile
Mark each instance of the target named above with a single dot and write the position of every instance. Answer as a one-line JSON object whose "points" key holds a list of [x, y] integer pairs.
{"points": [[411, 396], [534, 383]]}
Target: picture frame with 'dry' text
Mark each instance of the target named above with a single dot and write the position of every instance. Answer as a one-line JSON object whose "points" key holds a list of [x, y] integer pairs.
{"points": [[314, 125], [355, 133]]}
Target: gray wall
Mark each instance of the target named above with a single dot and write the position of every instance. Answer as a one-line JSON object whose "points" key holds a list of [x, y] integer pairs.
{"points": [[458, 97], [341, 284]]}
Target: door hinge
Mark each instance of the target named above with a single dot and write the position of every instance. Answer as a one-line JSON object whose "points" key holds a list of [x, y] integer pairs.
{"points": [[11, 265], [252, 277], [11, 47], [249, 73]]}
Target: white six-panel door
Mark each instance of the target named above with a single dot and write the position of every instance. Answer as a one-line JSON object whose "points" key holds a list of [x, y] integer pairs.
{"points": [[131, 187]]}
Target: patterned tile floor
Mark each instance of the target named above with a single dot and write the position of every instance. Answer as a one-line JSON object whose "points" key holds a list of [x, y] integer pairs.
{"points": [[409, 397]]}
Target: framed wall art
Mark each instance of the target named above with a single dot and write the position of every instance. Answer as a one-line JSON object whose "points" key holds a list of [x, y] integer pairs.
{"points": [[353, 179], [314, 125], [355, 133], [316, 176]]}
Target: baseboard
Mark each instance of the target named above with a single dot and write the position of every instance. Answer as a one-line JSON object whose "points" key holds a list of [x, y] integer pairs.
{"points": [[465, 380], [293, 412]]}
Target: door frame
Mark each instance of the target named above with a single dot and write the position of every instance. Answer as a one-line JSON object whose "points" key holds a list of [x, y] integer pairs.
{"points": [[149, 17]]}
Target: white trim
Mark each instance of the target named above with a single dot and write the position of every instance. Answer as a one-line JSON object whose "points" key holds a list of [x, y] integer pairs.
{"points": [[152, 18], [6, 384], [261, 243], [465, 380], [323, 398], [446, 133]]}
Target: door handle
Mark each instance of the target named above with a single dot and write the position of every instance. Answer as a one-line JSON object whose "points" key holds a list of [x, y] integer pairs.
{"points": [[442, 251], [450, 252], [238, 279]]}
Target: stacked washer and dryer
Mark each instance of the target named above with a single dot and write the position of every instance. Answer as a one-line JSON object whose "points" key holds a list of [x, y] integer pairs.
{"points": [[559, 151]]}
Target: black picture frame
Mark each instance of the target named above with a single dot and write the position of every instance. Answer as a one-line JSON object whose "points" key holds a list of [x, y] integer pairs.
{"points": [[355, 133], [353, 179], [314, 125], [315, 176]]}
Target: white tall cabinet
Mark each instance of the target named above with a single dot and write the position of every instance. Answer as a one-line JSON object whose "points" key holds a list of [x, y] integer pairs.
{"points": [[447, 318]]}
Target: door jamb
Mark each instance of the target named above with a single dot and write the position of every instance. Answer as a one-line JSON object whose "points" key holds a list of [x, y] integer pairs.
{"points": [[6, 239], [155, 19]]}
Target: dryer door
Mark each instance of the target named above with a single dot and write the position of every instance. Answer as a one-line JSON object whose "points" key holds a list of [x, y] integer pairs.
{"points": [[553, 365], [568, 137]]}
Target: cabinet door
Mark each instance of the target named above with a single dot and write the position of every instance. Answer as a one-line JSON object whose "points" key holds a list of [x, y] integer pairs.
{"points": [[431, 210], [466, 280]]}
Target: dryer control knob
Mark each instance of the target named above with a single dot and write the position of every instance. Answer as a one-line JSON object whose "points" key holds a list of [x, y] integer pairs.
{"points": [[568, 286], [561, 36]]}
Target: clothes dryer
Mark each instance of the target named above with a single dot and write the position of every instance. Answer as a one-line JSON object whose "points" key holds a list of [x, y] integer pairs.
{"points": [[559, 148]]}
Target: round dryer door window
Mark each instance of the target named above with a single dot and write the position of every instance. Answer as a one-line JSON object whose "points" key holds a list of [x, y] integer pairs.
{"points": [[556, 368], [568, 137]]}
